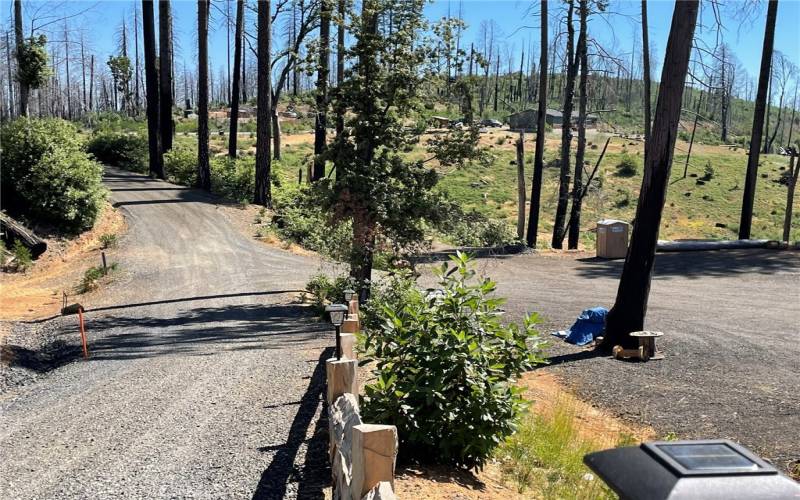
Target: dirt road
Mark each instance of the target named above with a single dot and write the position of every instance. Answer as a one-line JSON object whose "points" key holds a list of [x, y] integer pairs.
{"points": [[731, 323], [204, 380]]}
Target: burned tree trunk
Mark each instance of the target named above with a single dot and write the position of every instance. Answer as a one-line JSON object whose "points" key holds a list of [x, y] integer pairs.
{"points": [[263, 191], [521, 186], [237, 74], [748, 197], [165, 73], [538, 158], [566, 133], [151, 87], [646, 76], [577, 184], [323, 70], [203, 167], [630, 307], [792, 174]]}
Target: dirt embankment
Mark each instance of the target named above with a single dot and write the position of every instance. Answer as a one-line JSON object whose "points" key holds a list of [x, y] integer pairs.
{"points": [[38, 292]]}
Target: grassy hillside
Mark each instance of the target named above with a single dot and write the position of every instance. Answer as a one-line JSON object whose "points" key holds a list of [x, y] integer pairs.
{"points": [[693, 210]]}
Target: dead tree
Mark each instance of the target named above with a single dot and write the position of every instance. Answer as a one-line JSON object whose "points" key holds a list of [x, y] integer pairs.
{"points": [[630, 308], [323, 71], [152, 90], [203, 167], [574, 226], [792, 175], [263, 191], [236, 91], [165, 73], [748, 196], [566, 133], [521, 186], [538, 158], [646, 76]]}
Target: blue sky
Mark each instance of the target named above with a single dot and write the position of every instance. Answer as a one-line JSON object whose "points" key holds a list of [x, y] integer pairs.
{"points": [[518, 21]]}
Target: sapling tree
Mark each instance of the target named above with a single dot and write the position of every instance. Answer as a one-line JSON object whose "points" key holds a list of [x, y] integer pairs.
{"points": [[376, 185]]}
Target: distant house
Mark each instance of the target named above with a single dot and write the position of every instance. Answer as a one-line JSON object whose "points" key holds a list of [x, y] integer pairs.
{"points": [[526, 120]]}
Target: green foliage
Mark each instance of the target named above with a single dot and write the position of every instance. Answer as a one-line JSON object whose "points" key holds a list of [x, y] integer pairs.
{"points": [[92, 278], [22, 256], [473, 229], [299, 218], [110, 121], [233, 178], [708, 172], [180, 165], [119, 149], [323, 290], [121, 72], [47, 173], [108, 240], [546, 455], [445, 368], [627, 166], [32, 68]]}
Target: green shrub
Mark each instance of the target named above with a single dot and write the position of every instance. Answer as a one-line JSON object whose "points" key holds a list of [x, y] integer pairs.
{"points": [[109, 121], [445, 369], [324, 290], [233, 179], [92, 276], [627, 166], [474, 229], [298, 218], [22, 256], [108, 240], [118, 149], [708, 172], [48, 175], [180, 165]]}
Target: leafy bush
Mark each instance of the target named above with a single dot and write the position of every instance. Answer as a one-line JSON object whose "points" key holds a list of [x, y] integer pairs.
{"points": [[92, 276], [324, 290], [627, 166], [233, 179], [180, 165], [118, 149], [473, 229], [445, 368], [48, 175], [22, 256], [108, 240], [299, 218]]}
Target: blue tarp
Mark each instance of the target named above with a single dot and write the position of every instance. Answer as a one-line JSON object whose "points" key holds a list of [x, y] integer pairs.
{"points": [[589, 325]]}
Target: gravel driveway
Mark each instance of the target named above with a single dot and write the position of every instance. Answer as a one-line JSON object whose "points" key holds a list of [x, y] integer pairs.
{"points": [[205, 378], [732, 340]]}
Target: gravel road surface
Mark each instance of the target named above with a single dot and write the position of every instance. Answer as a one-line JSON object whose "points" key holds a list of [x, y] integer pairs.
{"points": [[205, 378], [731, 323]]}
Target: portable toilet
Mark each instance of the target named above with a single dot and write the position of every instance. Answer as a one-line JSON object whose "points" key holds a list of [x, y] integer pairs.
{"points": [[612, 239]]}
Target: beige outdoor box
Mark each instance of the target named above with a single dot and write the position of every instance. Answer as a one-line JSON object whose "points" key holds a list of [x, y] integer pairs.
{"points": [[612, 239]]}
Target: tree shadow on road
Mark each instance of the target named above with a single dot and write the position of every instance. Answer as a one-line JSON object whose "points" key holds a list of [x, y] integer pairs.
{"points": [[202, 331], [314, 475], [695, 265]]}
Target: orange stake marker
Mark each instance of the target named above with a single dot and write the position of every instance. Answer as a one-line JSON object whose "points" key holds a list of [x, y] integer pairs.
{"points": [[83, 334]]}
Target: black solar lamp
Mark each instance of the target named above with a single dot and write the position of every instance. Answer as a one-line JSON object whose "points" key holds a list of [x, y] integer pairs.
{"points": [[337, 312], [710, 469]]}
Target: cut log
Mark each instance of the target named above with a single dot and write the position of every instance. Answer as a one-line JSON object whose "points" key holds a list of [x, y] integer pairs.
{"points": [[14, 231]]}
